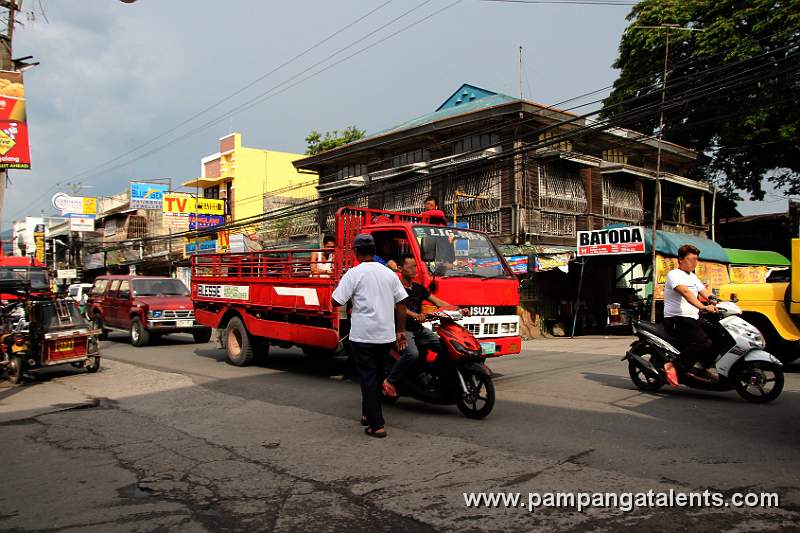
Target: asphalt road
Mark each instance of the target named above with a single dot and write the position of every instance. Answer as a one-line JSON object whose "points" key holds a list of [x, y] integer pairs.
{"points": [[172, 438], [560, 398]]}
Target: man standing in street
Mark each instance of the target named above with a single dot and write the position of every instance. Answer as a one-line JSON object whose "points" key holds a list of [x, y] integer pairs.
{"points": [[377, 321], [682, 314]]}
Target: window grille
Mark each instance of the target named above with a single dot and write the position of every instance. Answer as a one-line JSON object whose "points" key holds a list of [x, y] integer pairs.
{"points": [[620, 200], [408, 158], [615, 155], [561, 189], [475, 142], [564, 146], [328, 213], [483, 211], [408, 199]]}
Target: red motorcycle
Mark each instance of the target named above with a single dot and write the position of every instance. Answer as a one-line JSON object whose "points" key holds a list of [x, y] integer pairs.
{"points": [[454, 374]]}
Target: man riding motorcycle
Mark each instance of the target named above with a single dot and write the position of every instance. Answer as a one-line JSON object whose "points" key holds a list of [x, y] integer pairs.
{"points": [[420, 339], [682, 317]]}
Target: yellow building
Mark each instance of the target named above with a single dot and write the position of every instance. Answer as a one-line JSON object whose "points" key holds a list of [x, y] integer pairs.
{"points": [[251, 180]]}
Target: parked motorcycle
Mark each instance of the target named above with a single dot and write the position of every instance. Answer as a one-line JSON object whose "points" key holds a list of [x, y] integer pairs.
{"points": [[454, 374], [741, 362]]}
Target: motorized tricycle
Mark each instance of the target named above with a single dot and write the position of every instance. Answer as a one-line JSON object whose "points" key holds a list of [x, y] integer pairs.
{"points": [[38, 331]]}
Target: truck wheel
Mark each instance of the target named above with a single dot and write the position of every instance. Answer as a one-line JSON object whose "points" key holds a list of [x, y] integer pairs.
{"points": [[238, 342], [97, 321], [202, 335], [139, 334]]}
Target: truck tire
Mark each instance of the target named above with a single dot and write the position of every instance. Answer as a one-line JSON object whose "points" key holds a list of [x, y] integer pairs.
{"points": [[139, 334], [239, 345], [202, 335]]}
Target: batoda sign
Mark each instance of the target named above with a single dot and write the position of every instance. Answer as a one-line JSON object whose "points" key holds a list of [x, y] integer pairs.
{"points": [[611, 241]]}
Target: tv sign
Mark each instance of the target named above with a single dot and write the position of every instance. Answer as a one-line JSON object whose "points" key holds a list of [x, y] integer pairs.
{"points": [[611, 241]]}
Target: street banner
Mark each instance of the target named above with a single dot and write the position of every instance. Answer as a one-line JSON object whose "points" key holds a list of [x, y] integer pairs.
{"points": [[79, 205], [611, 241], [187, 204], [14, 147], [38, 239], [147, 195]]}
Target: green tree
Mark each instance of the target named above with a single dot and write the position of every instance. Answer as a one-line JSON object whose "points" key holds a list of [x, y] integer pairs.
{"points": [[748, 56], [318, 142]]}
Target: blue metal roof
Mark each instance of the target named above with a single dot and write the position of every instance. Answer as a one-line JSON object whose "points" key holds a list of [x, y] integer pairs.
{"points": [[667, 243], [483, 99]]}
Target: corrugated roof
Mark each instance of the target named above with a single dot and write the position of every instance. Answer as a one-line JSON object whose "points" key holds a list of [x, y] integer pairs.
{"points": [[667, 243], [448, 112]]}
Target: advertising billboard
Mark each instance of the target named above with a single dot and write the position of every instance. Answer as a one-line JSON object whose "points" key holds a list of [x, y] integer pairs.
{"points": [[14, 147], [77, 205], [38, 238], [186, 204], [147, 195]]}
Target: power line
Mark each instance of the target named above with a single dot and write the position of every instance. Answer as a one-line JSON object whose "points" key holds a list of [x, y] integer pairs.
{"points": [[573, 2]]}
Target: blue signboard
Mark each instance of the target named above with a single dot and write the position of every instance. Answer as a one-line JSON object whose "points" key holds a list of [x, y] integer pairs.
{"points": [[204, 247], [147, 195], [205, 221]]}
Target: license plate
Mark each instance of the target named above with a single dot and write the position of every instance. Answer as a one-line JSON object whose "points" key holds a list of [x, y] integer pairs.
{"points": [[185, 323], [65, 346], [488, 348]]}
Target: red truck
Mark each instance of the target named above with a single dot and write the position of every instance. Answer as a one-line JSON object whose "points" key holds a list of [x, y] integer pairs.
{"points": [[273, 297], [145, 306]]}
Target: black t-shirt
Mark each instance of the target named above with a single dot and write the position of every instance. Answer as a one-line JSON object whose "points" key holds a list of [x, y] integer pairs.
{"points": [[416, 295]]}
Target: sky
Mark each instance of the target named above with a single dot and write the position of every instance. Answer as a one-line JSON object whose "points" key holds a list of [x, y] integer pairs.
{"points": [[115, 78]]}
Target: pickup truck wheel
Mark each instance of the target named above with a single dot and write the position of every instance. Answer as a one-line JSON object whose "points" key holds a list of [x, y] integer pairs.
{"points": [[238, 342], [97, 321], [139, 334], [202, 335]]}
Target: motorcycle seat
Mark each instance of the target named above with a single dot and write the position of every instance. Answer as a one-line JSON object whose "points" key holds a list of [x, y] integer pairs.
{"points": [[659, 331]]}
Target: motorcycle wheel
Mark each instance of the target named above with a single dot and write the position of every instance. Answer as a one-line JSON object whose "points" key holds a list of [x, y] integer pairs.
{"points": [[642, 380], [478, 403], [759, 381], [15, 370]]}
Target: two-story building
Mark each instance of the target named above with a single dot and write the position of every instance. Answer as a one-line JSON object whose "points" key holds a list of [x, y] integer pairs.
{"points": [[530, 175]]}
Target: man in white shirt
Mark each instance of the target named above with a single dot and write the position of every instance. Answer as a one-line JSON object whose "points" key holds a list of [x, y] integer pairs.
{"points": [[682, 313], [377, 322]]}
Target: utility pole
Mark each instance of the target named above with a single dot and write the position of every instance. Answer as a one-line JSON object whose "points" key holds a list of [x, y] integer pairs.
{"points": [[657, 185], [6, 63]]}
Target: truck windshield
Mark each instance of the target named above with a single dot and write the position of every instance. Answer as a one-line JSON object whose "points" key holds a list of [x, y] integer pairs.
{"points": [[159, 287], [456, 252], [36, 275]]}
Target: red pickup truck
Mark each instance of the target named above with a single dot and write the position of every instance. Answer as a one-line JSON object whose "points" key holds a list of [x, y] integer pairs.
{"points": [[145, 306]]}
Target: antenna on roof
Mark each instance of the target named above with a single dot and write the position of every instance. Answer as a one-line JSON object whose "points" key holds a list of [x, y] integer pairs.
{"points": [[520, 72]]}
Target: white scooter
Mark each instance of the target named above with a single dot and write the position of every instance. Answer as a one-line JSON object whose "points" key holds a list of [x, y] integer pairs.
{"points": [[741, 361]]}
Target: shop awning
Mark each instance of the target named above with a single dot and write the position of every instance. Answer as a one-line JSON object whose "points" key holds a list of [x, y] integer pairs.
{"points": [[667, 243], [756, 257]]}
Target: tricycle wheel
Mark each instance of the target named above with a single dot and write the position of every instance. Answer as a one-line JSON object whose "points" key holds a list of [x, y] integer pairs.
{"points": [[238, 342], [15, 369], [202, 336], [139, 334], [97, 321], [93, 364]]}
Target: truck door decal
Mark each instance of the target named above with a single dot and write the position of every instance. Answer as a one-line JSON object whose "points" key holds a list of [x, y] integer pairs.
{"points": [[309, 295]]}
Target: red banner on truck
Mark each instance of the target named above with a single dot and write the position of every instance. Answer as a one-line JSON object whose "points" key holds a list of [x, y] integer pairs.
{"points": [[611, 241], [14, 148]]}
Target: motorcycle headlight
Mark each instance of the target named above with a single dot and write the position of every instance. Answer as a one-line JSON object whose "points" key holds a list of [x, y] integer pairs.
{"points": [[463, 349]]}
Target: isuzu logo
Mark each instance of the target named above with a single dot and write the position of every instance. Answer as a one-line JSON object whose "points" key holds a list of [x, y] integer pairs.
{"points": [[482, 311]]}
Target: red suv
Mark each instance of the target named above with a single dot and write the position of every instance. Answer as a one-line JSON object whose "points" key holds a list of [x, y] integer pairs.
{"points": [[146, 306]]}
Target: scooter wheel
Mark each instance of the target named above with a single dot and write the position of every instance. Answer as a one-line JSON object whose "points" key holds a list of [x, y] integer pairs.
{"points": [[642, 380], [480, 400], [759, 381]]}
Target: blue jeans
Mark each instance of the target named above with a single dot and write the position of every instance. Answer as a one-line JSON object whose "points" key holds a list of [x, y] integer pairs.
{"points": [[421, 341]]}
